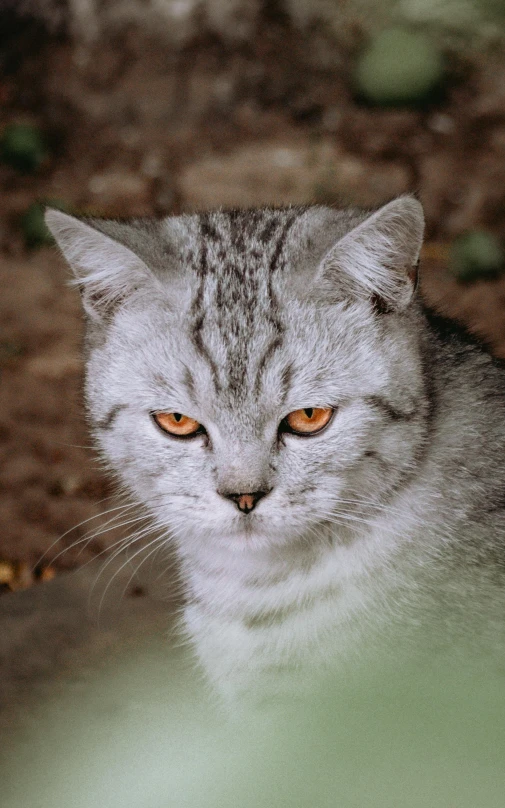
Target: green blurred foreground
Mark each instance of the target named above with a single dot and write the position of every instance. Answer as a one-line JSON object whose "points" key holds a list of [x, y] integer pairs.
{"points": [[141, 731]]}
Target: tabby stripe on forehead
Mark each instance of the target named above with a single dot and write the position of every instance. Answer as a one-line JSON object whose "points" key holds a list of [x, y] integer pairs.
{"points": [[197, 340], [274, 317], [197, 310], [274, 260], [207, 232]]}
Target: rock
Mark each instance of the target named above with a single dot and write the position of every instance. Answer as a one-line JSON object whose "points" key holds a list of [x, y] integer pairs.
{"points": [[354, 181], [476, 254], [121, 193], [442, 124], [441, 186], [398, 67], [277, 173], [54, 366]]}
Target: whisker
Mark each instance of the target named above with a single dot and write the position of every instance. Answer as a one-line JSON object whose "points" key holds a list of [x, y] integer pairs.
{"points": [[84, 521], [132, 538], [121, 568], [348, 517], [159, 542], [111, 524]]}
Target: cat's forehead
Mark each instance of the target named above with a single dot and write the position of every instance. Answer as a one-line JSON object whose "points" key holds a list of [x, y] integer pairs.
{"points": [[264, 240], [236, 244], [243, 321], [236, 320]]}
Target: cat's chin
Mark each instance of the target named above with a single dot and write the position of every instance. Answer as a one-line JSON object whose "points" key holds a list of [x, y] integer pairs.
{"points": [[254, 533]]}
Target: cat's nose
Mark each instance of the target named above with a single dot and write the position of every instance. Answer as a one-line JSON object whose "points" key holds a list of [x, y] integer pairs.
{"points": [[245, 502]]}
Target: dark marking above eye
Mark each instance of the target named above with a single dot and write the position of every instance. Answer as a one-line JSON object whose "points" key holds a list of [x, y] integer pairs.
{"points": [[108, 420], [389, 410]]}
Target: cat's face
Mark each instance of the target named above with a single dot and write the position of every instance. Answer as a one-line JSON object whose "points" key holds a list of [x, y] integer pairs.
{"points": [[240, 393]]}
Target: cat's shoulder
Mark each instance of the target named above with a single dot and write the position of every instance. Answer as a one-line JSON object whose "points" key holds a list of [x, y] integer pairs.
{"points": [[454, 339]]}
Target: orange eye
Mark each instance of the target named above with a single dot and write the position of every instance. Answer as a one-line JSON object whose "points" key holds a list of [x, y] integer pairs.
{"points": [[309, 420], [177, 424]]}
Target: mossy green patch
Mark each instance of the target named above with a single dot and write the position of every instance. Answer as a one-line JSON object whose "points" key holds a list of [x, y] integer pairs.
{"points": [[476, 254], [33, 226], [23, 147], [399, 67]]}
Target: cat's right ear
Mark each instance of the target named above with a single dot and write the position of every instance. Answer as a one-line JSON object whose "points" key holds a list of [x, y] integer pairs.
{"points": [[106, 271], [377, 260]]}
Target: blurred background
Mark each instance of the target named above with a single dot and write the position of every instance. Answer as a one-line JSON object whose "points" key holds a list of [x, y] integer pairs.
{"points": [[150, 107]]}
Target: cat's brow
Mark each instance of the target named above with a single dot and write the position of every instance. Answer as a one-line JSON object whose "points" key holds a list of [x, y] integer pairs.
{"points": [[107, 421], [390, 410]]}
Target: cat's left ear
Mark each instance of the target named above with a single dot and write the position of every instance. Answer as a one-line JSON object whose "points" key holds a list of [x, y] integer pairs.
{"points": [[378, 259], [106, 271]]}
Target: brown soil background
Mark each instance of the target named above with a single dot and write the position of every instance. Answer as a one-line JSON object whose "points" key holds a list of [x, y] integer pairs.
{"points": [[133, 129]]}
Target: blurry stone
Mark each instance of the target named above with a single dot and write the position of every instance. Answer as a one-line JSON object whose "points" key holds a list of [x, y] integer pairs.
{"points": [[488, 99], [398, 67], [380, 132], [121, 193], [332, 118], [437, 251], [164, 196], [442, 124], [474, 195], [280, 173], [7, 572], [234, 20], [71, 484], [54, 366], [358, 182], [10, 349], [130, 136], [22, 147], [497, 138], [152, 165], [14, 576], [224, 91], [441, 185], [476, 254], [24, 577], [46, 574]]}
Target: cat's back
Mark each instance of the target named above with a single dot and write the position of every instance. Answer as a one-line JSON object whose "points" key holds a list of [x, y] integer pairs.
{"points": [[467, 436]]}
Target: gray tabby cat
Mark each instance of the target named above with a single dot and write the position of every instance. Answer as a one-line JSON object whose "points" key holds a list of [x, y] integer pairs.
{"points": [[326, 455]]}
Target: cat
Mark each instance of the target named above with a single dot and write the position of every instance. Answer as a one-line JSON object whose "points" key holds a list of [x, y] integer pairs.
{"points": [[325, 454]]}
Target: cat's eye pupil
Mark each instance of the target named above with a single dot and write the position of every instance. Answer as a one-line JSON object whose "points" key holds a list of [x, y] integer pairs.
{"points": [[177, 416], [309, 412]]}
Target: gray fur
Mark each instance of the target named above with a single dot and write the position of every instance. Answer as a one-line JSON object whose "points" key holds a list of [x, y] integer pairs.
{"points": [[238, 318]]}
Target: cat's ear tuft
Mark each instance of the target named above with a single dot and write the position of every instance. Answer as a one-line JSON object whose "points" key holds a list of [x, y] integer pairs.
{"points": [[378, 259], [106, 271]]}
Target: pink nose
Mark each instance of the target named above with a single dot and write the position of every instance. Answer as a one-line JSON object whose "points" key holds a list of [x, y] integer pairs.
{"points": [[246, 502]]}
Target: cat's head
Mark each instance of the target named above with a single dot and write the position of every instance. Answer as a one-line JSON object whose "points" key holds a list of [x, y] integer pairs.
{"points": [[253, 374]]}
